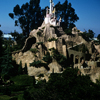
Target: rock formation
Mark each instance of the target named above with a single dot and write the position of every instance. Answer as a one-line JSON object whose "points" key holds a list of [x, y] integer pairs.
{"points": [[49, 36], [42, 40]]}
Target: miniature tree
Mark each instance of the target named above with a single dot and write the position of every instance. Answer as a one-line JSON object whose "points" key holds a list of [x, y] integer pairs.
{"points": [[25, 69], [20, 70]]}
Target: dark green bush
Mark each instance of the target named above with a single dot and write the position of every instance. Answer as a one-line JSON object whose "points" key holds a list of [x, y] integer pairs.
{"points": [[27, 95], [14, 98], [20, 70], [52, 39], [24, 80], [25, 69], [16, 88], [43, 28], [39, 33], [62, 60], [68, 31], [65, 86], [47, 58], [51, 26], [33, 50], [39, 43], [38, 64], [5, 90], [40, 75]]}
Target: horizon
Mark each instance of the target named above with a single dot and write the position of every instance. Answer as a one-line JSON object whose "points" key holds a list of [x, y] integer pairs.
{"points": [[87, 11]]}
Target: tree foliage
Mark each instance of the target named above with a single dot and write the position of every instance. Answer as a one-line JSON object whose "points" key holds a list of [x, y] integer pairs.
{"points": [[67, 13], [1, 43], [39, 64], [89, 34], [62, 60], [25, 69], [68, 85], [20, 70], [47, 58], [98, 37], [6, 63], [19, 39], [28, 16]]}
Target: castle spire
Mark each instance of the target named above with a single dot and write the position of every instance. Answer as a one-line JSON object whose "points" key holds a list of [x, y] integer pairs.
{"points": [[51, 6], [51, 1]]}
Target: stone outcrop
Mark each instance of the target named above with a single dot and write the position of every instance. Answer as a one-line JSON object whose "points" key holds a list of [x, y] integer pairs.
{"points": [[45, 38]]}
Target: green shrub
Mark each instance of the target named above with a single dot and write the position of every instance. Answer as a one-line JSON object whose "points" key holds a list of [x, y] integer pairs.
{"points": [[14, 98], [52, 39], [39, 33], [20, 70], [27, 95], [47, 58], [43, 28], [5, 90], [22, 80], [68, 31], [25, 69], [78, 30], [34, 50], [62, 60], [51, 26], [39, 43], [40, 75], [38, 64], [15, 88], [6, 77], [4, 97]]}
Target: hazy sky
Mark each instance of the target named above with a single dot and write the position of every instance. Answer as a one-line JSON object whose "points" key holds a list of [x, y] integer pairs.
{"points": [[88, 12]]}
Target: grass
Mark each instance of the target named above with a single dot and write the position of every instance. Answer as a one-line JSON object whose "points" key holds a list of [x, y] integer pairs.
{"points": [[15, 91], [4, 97], [22, 80], [20, 97]]}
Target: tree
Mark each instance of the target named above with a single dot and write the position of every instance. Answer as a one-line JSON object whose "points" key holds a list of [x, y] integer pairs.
{"points": [[15, 35], [1, 48], [68, 85], [67, 13], [25, 69], [28, 16], [89, 34], [1, 42], [6, 64], [98, 37], [19, 38], [62, 60], [20, 70], [47, 58]]}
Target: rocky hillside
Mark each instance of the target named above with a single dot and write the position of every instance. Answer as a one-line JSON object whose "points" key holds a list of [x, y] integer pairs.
{"points": [[42, 41]]}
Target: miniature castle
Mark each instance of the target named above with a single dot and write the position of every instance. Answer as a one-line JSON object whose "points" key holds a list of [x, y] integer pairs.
{"points": [[46, 37], [51, 15]]}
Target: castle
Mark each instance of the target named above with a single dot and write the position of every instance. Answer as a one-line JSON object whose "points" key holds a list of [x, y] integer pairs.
{"points": [[51, 35], [51, 15]]}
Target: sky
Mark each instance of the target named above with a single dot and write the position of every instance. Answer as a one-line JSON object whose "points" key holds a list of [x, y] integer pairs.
{"points": [[88, 12]]}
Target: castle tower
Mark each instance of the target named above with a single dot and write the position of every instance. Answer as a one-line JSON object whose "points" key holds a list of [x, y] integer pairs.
{"points": [[51, 17], [51, 6]]}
